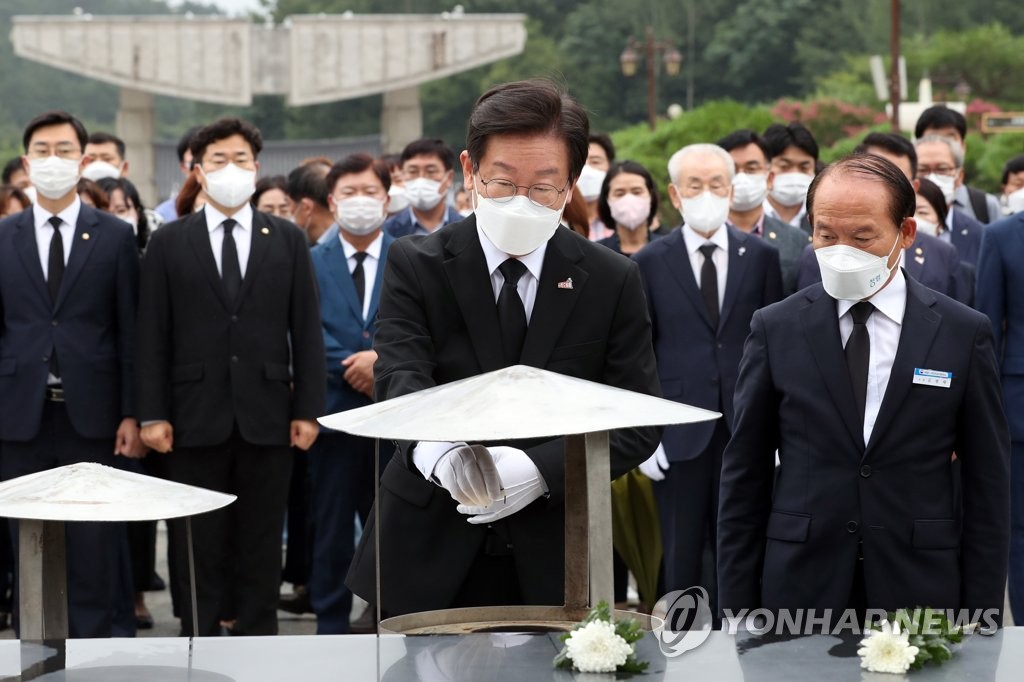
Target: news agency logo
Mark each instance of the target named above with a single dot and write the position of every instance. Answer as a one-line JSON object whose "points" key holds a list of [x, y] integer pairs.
{"points": [[687, 616]]}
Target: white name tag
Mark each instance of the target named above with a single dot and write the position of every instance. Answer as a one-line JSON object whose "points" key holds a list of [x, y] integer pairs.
{"points": [[932, 377]]}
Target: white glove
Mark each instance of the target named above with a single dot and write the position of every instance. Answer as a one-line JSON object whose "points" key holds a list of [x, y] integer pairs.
{"points": [[656, 465], [469, 475], [521, 481]]}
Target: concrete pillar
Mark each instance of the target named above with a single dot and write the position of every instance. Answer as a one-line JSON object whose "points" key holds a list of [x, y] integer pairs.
{"points": [[136, 125], [401, 119]]}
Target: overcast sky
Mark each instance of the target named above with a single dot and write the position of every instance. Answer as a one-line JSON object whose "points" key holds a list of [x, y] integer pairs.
{"points": [[234, 7]]}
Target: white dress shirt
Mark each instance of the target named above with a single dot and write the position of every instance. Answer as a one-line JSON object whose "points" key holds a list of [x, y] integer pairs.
{"points": [[242, 234], [370, 266], [795, 222], [720, 257], [884, 328], [44, 231]]}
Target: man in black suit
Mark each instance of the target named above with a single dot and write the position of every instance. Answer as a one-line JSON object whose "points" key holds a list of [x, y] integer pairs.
{"points": [[231, 374], [505, 286], [68, 290], [866, 385]]}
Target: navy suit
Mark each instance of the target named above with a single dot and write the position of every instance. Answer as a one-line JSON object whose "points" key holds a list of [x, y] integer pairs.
{"points": [[697, 365], [91, 326], [1001, 297], [341, 465], [791, 538], [791, 242], [965, 234], [403, 223]]}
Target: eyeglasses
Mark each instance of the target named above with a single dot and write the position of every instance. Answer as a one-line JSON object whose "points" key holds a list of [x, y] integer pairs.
{"points": [[942, 169], [541, 194]]}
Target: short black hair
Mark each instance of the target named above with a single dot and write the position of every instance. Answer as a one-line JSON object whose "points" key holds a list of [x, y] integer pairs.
{"points": [[1014, 165], [307, 182], [428, 146], [268, 183], [605, 211], [221, 130], [529, 107], [185, 140], [55, 118], [107, 138], [931, 192], [940, 116], [605, 142], [357, 163], [742, 138], [893, 143], [778, 137], [902, 202], [14, 165]]}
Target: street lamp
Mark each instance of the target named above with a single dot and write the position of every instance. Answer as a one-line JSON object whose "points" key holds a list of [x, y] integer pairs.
{"points": [[630, 58]]}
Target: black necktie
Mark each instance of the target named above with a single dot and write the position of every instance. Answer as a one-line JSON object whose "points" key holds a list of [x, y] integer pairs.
{"points": [[359, 277], [54, 274], [709, 283], [858, 352], [511, 313], [230, 272]]}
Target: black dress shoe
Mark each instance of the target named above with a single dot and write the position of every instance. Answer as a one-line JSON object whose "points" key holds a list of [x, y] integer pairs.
{"points": [[297, 602], [156, 583], [366, 623], [144, 622]]}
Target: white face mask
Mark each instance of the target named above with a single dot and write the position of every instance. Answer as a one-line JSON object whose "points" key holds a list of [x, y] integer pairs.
{"points": [[359, 215], [790, 189], [748, 191], [1015, 201], [424, 193], [131, 220], [465, 212], [230, 186], [946, 183], [706, 212], [518, 226], [97, 170], [926, 226], [630, 210], [589, 182], [399, 199], [851, 274], [30, 192], [53, 177]]}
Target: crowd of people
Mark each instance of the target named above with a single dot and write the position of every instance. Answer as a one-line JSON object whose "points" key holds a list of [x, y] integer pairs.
{"points": [[801, 300]]}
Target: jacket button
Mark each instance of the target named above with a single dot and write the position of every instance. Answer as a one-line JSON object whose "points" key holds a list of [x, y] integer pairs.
{"points": [[54, 323], [721, 346], [366, 334], [234, 318], [234, 358], [865, 471], [46, 358], [714, 380], [852, 527]]}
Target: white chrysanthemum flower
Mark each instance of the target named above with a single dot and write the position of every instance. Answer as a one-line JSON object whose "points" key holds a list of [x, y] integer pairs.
{"points": [[595, 648], [887, 650]]}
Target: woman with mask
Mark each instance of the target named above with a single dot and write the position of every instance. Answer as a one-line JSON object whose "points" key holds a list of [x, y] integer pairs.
{"points": [[931, 207], [629, 203], [125, 203], [271, 196]]}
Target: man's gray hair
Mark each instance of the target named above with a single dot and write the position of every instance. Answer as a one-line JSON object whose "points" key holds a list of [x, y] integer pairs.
{"points": [[700, 148], [955, 148]]}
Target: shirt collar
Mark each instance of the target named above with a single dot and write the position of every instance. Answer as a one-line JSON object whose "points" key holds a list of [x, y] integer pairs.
{"points": [[891, 301], [373, 250], [69, 215], [757, 230], [694, 241], [214, 218], [533, 261]]}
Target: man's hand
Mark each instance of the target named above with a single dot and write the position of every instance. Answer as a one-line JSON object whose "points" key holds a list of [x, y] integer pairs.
{"points": [[359, 372], [656, 465], [521, 484], [158, 436], [304, 432], [127, 442], [468, 473]]}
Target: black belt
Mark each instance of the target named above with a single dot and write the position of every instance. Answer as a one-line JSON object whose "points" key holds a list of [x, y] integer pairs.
{"points": [[55, 394]]}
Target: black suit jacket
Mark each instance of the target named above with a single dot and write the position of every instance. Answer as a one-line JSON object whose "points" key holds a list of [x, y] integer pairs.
{"points": [[790, 241], [924, 543], [91, 325], [438, 323], [205, 364]]}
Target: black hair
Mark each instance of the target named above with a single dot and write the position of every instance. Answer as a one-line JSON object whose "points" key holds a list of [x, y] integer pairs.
{"points": [[221, 130], [107, 138], [742, 138], [605, 142], [307, 182], [931, 192], [938, 117], [131, 194], [902, 203], [778, 137], [357, 163], [10, 168], [185, 140], [529, 107], [428, 146], [893, 143], [55, 118], [1014, 165], [264, 185], [605, 211]]}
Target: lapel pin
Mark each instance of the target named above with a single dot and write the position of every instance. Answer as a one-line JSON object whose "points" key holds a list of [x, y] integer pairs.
{"points": [[265, 230], [964, 231], [85, 236], [919, 259], [919, 251], [742, 250], [567, 284], [771, 235]]}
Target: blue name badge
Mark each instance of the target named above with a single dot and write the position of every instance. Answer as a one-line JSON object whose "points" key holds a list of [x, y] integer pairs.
{"points": [[932, 377]]}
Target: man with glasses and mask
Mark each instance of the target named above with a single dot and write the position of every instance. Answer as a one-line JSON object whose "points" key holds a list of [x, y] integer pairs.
{"points": [[427, 176], [941, 160], [505, 286]]}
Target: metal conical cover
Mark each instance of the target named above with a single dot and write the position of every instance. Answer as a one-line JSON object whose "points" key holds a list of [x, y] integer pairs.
{"points": [[514, 402], [93, 492]]}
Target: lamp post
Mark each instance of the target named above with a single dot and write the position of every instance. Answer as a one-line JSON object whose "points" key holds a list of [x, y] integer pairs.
{"points": [[630, 58]]}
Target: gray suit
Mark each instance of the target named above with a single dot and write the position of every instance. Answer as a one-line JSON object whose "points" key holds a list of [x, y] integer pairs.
{"points": [[790, 241]]}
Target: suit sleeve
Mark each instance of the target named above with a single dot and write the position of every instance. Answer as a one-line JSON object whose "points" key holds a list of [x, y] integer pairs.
{"points": [[152, 367], [127, 308], [990, 292], [983, 447], [308, 370], [772, 289], [809, 272], [748, 468]]}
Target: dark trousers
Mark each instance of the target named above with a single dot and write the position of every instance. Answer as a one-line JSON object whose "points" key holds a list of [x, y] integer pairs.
{"points": [[94, 549], [299, 554], [688, 511], [341, 480], [1016, 571], [246, 571]]}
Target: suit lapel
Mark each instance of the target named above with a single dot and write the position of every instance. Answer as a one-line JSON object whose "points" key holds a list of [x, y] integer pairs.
{"points": [[677, 259], [466, 269], [736, 270], [553, 304], [337, 265], [378, 281], [28, 252], [199, 238], [914, 261], [262, 234], [85, 237], [821, 327], [920, 324]]}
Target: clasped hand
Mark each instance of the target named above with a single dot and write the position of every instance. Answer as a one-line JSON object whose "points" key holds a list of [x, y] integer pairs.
{"points": [[489, 483]]}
